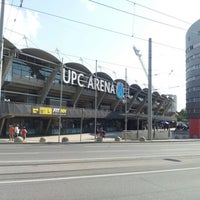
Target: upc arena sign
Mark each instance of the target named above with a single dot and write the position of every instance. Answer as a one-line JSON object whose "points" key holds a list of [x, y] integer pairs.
{"points": [[91, 82]]}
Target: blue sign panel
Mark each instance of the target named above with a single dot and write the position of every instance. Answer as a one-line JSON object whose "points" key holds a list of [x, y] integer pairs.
{"points": [[120, 90]]}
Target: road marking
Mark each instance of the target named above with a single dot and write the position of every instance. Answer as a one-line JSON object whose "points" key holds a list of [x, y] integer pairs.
{"points": [[98, 176], [20, 153]]}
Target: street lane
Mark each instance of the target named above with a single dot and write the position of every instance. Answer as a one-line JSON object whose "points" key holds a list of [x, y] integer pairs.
{"points": [[165, 170], [77, 151]]}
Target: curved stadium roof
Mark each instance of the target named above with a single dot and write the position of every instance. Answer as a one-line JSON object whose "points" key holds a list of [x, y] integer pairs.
{"points": [[38, 53], [78, 67], [104, 76], [8, 44], [43, 55]]}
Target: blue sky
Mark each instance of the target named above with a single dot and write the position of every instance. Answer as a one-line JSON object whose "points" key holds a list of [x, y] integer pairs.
{"points": [[75, 42]]}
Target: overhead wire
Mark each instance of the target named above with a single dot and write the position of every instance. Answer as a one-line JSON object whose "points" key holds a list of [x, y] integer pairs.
{"points": [[16, 14], [98, 27], [102, 61], [159, 12], [9, 13], [129, 13], [103, 28]]}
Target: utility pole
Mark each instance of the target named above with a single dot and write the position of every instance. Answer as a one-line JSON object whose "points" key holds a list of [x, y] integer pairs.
{"points": [[95, 103], [1, 42], [61, 98], [126, 92], [150, 91]]}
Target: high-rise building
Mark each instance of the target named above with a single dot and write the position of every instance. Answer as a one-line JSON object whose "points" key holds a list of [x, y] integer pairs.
{"points": [[193, 78]]}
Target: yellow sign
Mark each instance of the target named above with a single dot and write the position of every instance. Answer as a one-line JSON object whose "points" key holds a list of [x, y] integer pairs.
{"points": [[35, 110], [63, 111], [45, 111], [49, 111]]}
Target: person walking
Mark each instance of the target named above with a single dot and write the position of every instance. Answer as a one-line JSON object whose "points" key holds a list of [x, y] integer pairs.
{"points": [[24, 133]]}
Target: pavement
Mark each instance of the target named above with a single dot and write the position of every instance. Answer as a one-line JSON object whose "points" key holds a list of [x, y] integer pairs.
{"points": [[72, 138], [87, 137]]}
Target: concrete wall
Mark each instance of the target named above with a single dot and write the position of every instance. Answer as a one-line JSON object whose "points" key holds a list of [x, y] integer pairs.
{"points": [[159, 134]]}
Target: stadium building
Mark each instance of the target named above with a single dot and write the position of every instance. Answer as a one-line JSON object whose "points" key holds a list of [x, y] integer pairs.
{"points": [[48, 97]]}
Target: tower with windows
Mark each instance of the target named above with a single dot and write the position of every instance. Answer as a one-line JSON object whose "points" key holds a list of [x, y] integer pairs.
{"points": [[193, 78]]}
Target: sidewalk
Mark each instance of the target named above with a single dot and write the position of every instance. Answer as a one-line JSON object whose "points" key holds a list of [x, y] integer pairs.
{"points": [[73, 138], [87, 137]]}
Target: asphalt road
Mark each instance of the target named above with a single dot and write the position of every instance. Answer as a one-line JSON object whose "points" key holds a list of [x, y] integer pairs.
{"points": [[106, 171]]}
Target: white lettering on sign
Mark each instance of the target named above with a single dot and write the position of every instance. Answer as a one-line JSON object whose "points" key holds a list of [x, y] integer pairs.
{"points": [[90, 83], [56, 110], [72, 77]]}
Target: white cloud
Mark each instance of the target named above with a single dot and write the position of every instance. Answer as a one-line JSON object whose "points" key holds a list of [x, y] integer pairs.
{"points": [[32, 24], [20, 26]]}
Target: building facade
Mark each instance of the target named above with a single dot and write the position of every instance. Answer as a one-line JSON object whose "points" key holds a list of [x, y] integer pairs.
{"points": [[49, 97], [193, 78]]}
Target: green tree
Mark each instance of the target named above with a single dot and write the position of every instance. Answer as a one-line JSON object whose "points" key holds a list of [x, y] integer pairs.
{"points": [[181, 116]]}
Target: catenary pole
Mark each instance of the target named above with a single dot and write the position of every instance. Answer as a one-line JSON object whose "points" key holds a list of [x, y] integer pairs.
{"points": [[95, 102], [150, 91], [126, 92], [61, 97], [1, 41]]}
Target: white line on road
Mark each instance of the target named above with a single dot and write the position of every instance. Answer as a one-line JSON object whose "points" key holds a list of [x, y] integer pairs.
{"points": [[98, 176], [19, 153]]}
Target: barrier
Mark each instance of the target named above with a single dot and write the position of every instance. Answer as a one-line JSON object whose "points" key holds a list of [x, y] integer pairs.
{"points": [[159, 134]]}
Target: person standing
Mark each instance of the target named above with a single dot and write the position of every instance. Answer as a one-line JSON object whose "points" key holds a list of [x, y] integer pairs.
{"points": [[102, 132], [17, 130], [11, 132], [24, 133]]}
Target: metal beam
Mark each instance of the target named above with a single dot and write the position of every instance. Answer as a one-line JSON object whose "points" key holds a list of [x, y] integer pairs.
{"points": [[48, 85], [7, 65]]}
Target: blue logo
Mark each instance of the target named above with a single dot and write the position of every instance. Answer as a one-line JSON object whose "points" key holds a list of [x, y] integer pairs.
{"points": [[120, 90]]}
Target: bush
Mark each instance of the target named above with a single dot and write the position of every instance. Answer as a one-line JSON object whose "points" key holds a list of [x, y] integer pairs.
{"points": [[18, 140], [65, 139], [117, 139], [42, 140], [142, 139]]}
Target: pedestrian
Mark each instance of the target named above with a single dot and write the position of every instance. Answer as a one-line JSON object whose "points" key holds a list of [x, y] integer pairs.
{"points": [[24, 133], [11, 132], [102, 132], [97, 131], [17, 130]]}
